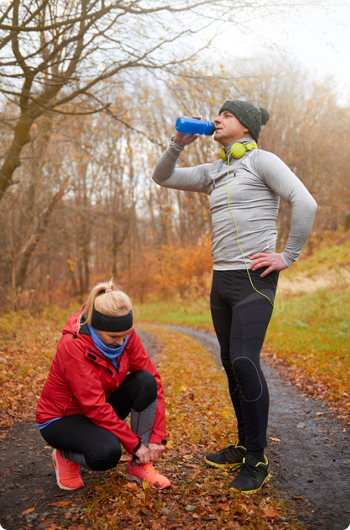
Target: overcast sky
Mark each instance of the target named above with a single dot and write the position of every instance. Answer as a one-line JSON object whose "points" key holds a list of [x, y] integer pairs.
{"points": [[317, 38]]}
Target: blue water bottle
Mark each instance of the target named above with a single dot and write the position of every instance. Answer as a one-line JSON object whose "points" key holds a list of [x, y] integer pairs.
{"points": [[195, 126]]}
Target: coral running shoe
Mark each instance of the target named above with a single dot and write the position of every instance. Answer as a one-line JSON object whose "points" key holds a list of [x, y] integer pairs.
{"points": [[149, 474], [67, 472]]}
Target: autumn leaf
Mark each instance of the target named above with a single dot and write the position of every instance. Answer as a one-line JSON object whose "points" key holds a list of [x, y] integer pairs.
{"points": [[28, 511], [131, 486], [270, 513], [273, 439], [61, 503]]}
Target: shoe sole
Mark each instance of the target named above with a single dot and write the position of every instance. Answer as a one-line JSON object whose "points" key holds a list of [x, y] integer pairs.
{"points": [[213, 464], [251, 492], [55, 465]]}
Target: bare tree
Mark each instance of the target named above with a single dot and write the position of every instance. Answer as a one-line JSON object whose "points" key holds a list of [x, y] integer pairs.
{"points": [[56, 53]]}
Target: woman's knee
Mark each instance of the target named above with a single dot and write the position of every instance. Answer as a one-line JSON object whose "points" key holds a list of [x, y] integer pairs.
{"points": [[148, 384], [105, 456]]}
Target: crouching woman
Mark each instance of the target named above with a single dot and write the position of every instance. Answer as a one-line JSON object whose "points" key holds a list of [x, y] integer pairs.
{"points": [[101, 373]]}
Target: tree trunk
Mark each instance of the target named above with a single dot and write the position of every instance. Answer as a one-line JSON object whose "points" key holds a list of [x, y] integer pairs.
{"points": [[28, 250]]}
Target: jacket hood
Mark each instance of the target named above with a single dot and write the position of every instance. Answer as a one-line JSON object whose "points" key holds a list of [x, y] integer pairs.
{"points": [[72, 326]]}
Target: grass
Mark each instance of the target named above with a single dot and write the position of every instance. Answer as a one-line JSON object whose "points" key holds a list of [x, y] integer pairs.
{"points": [[312, 335], [194, 313], [322, 261]]}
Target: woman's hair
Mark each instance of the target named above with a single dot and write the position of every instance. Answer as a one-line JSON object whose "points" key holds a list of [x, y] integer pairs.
{"points": [[108, 299]]}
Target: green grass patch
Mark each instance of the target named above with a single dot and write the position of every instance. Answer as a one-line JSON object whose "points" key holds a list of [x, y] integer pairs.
{"points": [[192, 314], [313, 334], [335, 258]]}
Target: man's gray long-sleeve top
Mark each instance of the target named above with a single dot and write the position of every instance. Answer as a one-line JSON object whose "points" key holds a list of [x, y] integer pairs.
{"points": [[256, 183]]}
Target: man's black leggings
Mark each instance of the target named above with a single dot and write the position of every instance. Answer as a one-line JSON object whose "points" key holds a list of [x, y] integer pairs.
{"points": [[101, 448], [241, 316]]}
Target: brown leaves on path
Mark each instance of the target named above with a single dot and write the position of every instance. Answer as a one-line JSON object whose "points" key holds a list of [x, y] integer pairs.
{"points": [[27, 346], [199, 420], [315, 386]]}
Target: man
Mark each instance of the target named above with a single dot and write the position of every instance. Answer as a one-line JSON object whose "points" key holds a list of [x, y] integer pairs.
{"points": [[244, 189]]}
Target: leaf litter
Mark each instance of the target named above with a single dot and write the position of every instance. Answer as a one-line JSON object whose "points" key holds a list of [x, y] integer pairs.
{"points": [[198, 421]]}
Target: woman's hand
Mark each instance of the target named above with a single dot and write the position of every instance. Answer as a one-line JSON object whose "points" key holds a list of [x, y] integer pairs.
{"points": [[155, 451], [273, 262], [143, 455], [185, 138]]}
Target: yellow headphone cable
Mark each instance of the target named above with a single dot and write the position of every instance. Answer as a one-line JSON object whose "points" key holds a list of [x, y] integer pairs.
{"points": [[239, 246]]}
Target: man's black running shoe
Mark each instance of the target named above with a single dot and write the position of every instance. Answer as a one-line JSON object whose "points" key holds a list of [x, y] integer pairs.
{"points": [[232, 455], [252, 475]]}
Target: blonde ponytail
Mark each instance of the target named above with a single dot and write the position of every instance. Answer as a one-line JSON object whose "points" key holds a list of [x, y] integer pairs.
{"points": [[108, 299]]}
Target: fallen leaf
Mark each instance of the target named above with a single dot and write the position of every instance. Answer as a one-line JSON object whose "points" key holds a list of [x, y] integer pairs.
{"points": [[124, 458], [270, 513], [274, 439], [39, 491], [225, 506], [131, 486], [28, 511], [61, 503]]}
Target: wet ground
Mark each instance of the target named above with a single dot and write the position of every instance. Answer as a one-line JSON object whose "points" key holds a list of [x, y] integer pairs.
{"points": [[311, 462]]}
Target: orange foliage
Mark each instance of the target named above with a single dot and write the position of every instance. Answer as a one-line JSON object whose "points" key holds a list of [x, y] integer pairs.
{"points": [[171, 271]]}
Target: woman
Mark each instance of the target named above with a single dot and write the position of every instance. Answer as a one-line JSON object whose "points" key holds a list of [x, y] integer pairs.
{"points": [[101, 373]]}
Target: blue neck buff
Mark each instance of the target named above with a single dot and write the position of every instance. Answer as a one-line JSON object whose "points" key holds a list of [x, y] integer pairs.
{"points": [[110, 353]]}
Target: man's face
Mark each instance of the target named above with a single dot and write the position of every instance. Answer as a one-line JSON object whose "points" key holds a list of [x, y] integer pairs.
{"points": [[229, 129]]}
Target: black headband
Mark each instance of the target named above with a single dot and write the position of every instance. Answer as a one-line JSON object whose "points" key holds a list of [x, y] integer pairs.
{"points": [[110, 323]]}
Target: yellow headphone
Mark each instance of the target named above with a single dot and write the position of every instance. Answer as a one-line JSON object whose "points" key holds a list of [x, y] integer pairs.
{"points": [[238, 150]]}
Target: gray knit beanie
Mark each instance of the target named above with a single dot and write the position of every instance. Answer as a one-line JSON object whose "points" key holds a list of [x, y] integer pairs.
{"points": [[248, 114]]}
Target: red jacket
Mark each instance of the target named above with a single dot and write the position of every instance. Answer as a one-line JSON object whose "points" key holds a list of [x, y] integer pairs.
{"points": [[81, 378]]}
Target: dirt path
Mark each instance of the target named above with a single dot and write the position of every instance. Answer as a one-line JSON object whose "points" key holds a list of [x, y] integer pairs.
{"points": [[321, 482], [311, 463]]}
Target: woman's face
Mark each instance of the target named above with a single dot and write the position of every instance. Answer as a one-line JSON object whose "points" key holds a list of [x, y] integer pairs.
{"points": [[112, 338]]}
